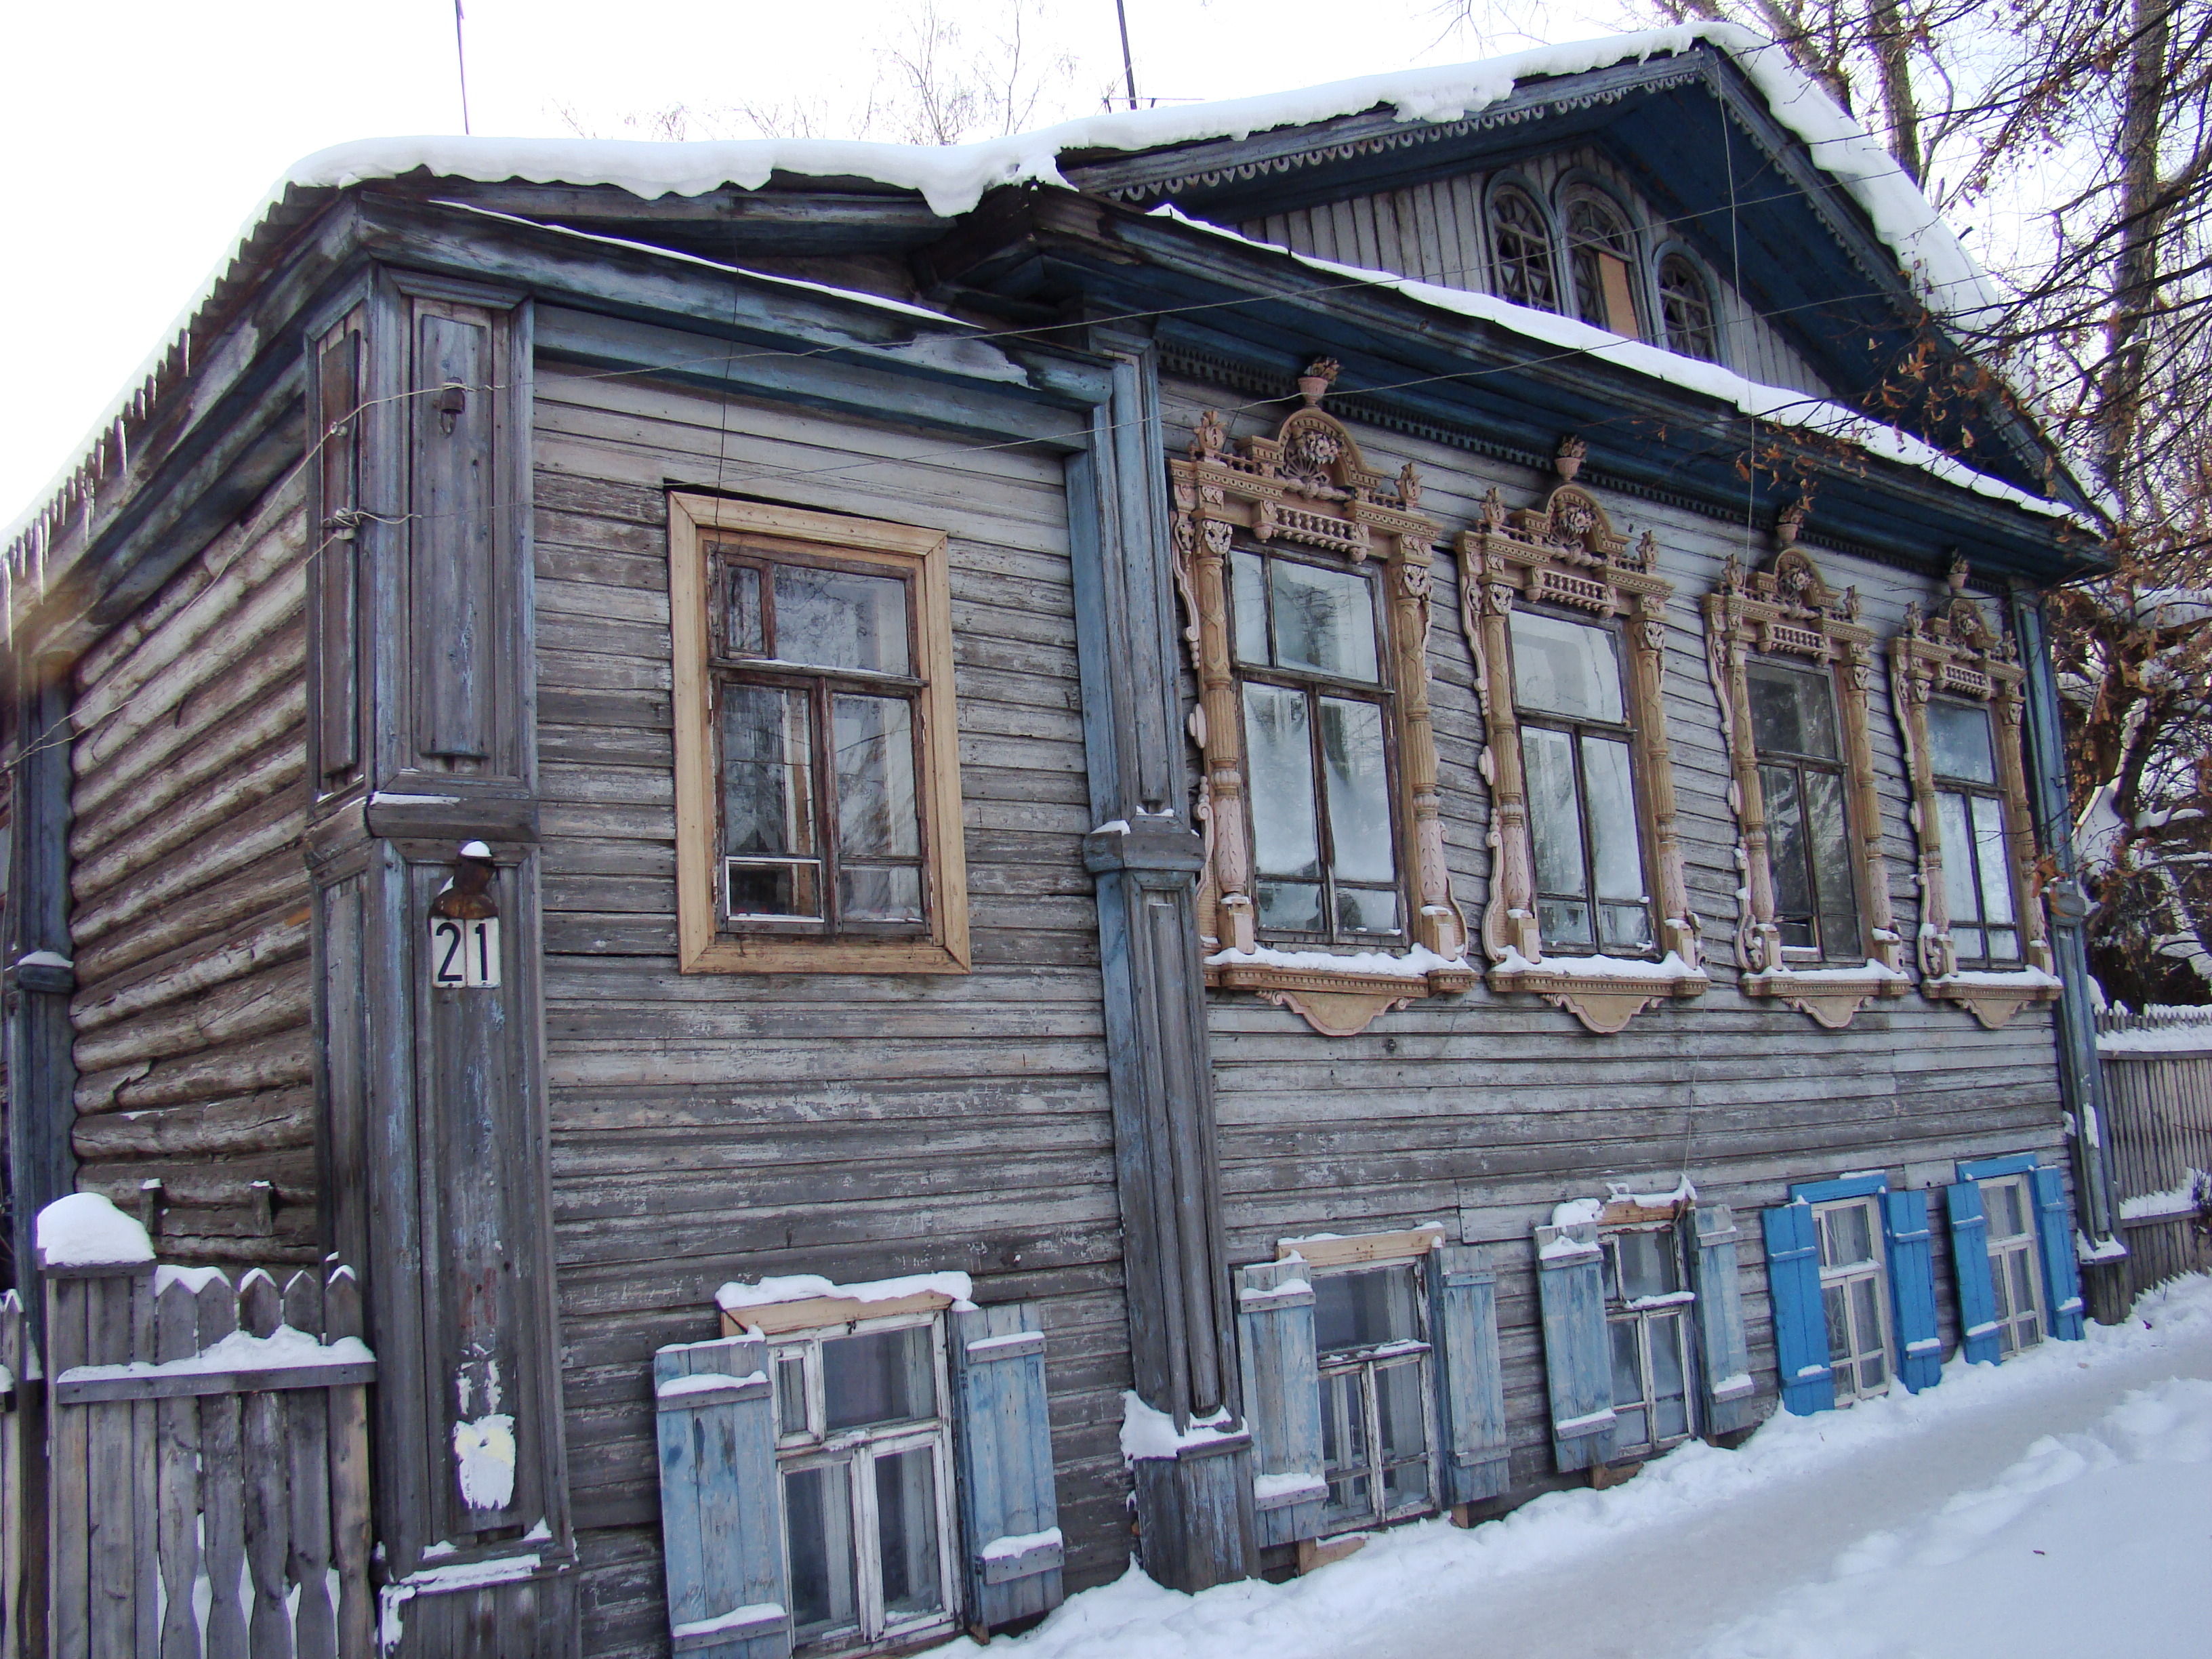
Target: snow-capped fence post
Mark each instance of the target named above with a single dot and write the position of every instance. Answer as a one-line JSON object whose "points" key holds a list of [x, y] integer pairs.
{"points": [[207, 1449]]}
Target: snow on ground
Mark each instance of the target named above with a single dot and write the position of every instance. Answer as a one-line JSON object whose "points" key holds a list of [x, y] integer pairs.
{"points": [[2056, 1505]]}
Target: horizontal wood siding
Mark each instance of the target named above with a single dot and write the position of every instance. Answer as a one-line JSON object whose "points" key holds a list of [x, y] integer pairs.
{"points": [[713, 1126], [1484, 1111], [1438, 232], [189, 901]]}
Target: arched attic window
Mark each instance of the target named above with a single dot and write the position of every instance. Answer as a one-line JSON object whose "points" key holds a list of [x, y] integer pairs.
{"points": [[1601, 254], [1685, 309], [1521, 250]]}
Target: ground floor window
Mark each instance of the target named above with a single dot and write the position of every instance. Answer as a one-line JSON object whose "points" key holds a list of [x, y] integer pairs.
{"points": [[1648, 1310], [2014, 1273], [1377, 1410], [1854, 1296]]}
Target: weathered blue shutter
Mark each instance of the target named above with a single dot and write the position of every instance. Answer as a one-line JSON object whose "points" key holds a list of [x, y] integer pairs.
{"points": [[1463, 1330], [1282, 1399], [1912, 1289], [1793, 1292], [1727, 1370], [1009, 1510], [2054, 1232], [1970, 1262], [1578, 1357], [721, 1509]]}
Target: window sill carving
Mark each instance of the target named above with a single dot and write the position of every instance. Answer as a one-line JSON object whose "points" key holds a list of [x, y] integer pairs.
{"points": [[1566, 554], [1786, 611], [1308, 487], [1958, 655]]}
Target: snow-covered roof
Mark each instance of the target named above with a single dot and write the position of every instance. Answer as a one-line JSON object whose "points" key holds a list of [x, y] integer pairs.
{"points": [[952, 178]]}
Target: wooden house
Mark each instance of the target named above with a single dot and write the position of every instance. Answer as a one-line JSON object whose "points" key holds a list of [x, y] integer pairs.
{"points": [[1191, 833]]}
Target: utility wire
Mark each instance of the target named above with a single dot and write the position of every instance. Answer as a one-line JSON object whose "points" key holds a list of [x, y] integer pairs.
{"points": [[461, 63]]}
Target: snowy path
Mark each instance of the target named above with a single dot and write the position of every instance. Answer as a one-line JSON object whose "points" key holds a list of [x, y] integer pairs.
{"points": [[1904, 1527]]}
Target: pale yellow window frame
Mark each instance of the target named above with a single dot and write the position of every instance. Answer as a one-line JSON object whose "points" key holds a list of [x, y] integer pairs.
{"points": [[705, 944]]}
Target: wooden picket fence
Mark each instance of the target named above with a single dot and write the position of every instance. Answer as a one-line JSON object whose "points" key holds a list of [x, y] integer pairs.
{"points": [[2159, 1131], [19, 1372], [207, 1478]]}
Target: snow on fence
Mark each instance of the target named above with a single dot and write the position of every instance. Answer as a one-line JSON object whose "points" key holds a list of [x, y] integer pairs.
{"points": [[208, 1456], [2158, 1087]]}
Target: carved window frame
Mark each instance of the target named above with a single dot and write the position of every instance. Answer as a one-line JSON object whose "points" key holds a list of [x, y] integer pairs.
{"points": [[1959, 653], [1786, 611], [1566, 553], [1308, 487]]}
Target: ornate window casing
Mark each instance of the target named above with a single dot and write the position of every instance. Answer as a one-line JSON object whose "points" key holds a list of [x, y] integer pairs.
{"points": [[1564, 559], [1983, 892], [1306, 499], [1827, 949]]}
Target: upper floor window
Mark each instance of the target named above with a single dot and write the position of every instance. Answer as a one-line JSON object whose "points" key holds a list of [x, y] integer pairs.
{"points": [[817, 813], [1685, 309], [1801, 775], [1521, 244], [1602, 251], [1970, 805]]}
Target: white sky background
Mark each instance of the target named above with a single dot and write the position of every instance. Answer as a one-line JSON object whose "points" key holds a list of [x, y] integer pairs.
{"points": [[138, 136]]}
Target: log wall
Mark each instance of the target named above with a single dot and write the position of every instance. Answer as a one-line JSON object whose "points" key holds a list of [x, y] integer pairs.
{"points": [[713, 1126], [189, 903], [1483, 1111]]}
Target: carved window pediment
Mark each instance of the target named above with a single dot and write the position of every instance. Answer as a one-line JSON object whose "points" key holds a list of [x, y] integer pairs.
{"points": [[1956, 677], [1564, 560], [1813, 925], [1304, 500]]}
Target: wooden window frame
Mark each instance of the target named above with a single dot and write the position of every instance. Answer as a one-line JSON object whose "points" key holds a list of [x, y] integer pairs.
{"points": [[1560, 298], [2008, 1318], [1308, 487], [1786, 611], [1715, 324], [1566, 554], [1885, 1316], [706, 943], [1612, 263], [1683, 1310], [1957, 654]]}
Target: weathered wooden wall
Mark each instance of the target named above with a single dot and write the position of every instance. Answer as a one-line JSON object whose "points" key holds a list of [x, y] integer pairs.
{"points": [[1439, 232], [713, 1126], [1483, 1111], [190, 902]]}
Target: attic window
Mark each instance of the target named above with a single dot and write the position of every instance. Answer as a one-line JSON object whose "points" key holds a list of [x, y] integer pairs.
{"points": [[1521, 245], [1601, 254], [1685, 308]]}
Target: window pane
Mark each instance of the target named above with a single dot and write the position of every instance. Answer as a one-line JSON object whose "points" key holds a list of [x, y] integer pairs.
{"points": [[883, 1376], [773, 889], [2023, 1286], [768, 771], [1563, 924], [1555, 825], [1786, 840], [906, 1532], [1343, 1445], [1953, 826], [1361, 1309], [1866, 1313], [2004, 944], [1958, 742], [1832, 862], [1791, 711], [1669, 1393], [1249, 603], [2002, 1200], [1990, 854], [1833, 1304], [1363, 910], [1846, 1235], [791, 1395], [877, 811], [1285, 839], [1647, 1263], [834, 619], [1290, 907], [1610, 801], [1566, 668], [817, 1519], [1401, 1419], [1627, 1364], [1358, 790], [1324, 620], [743, 634], [873, 892]]}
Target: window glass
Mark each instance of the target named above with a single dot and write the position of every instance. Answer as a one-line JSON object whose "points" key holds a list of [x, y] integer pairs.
{"points": [[1522, 244], [1555, 834], [1601, 249], [1324, 621], [744, 632], [1363, 1310], [791, 1395], [1829, 845], [1847, 1236], [905, 1528], [818, 1519], [1401, 1421], [1249, 601], [1565, 668], [768, 803], [1989, 855], [879, 1376], [1792, 712], [836, 619], [1616, 855], [1686, 305], [1286, 827], [1358, 791], [1669, 1391], [1644, 1263], [1630, 1428], [1958, 742]]}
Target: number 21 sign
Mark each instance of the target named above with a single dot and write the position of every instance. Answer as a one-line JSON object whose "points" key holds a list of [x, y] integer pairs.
{"points": [[464, 952]]}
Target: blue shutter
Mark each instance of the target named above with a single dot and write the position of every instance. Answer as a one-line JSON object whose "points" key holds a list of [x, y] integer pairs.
{"points": [[1009, 1510], [722, 1508], [1727, 1369], [1282, 1399], [1912, 1289], [1970, 1260], [1471, 1386], [1578, 1357], [1793, 1291], [2054, 1231]]}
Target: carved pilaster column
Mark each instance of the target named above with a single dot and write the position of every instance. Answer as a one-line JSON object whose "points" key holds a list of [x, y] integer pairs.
{"points": [[1439, 924], [1508, 922]]}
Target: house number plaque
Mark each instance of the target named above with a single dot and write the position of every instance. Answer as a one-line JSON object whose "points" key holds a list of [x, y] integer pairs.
{"points": [[464, 926]]}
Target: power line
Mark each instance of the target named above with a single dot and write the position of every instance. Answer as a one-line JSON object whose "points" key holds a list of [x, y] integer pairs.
{"points": [[461, 64]]}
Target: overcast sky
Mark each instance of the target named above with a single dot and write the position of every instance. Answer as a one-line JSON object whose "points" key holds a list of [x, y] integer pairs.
{"points": [[138, 136]]}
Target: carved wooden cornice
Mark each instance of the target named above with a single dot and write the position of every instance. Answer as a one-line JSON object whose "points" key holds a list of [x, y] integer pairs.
{"points": [[1566, 553], [1309, 486], [1957, 651], [1786, 610]]}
